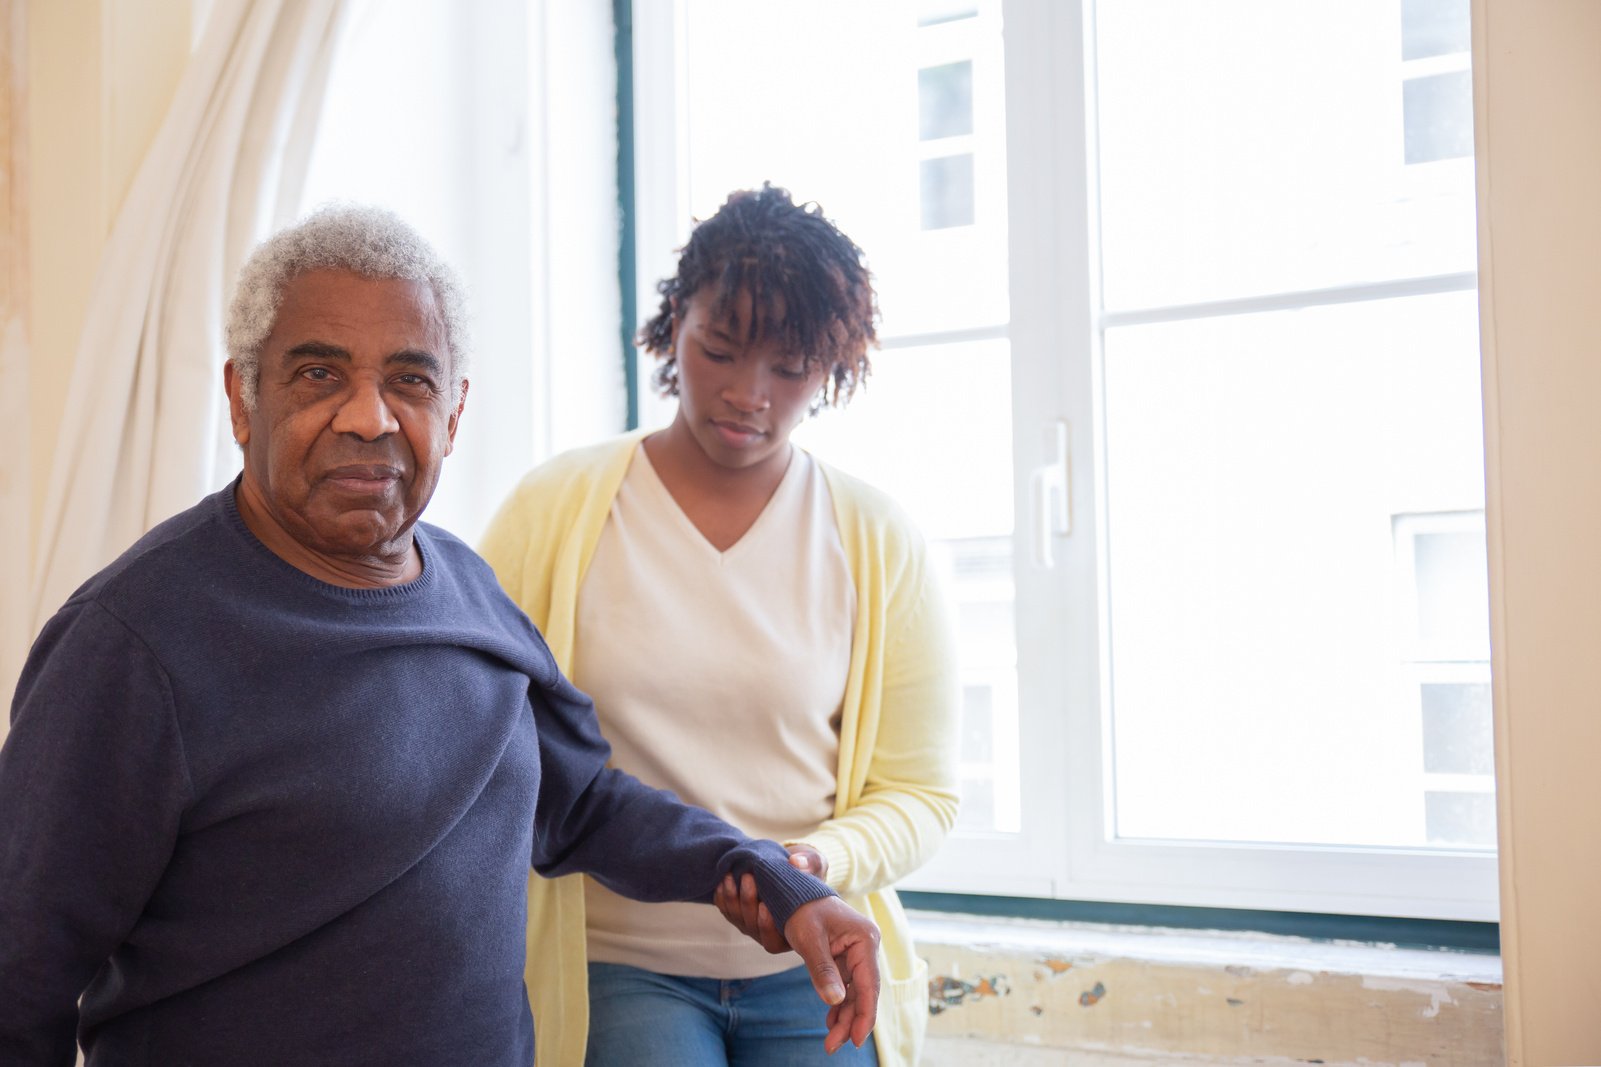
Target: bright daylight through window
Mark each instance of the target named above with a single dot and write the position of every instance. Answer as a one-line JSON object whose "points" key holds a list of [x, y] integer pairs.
{"points": [[1180, 375]]}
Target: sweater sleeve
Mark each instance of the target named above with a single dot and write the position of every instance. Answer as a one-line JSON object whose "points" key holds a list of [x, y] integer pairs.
{"points": [[641, 842], [910, 795], [92, 783]]}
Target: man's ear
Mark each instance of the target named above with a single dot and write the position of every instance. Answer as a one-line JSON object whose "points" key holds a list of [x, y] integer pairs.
{"points": [[455, 418], [233, 385]]}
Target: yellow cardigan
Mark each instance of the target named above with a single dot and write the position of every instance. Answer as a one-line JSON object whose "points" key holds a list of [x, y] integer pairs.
{"points": [[896, 792]]}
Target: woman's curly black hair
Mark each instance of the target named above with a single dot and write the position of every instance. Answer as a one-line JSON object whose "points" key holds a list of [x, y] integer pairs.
{"points": [[809, 288]]}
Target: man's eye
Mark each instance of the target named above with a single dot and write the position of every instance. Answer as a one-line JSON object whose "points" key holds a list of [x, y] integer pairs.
{"points": [[317, 374], [419, 385]]}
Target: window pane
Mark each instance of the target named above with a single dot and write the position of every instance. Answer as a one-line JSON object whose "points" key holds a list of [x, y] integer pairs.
{"points": [[1439, 116], [836, 115], [934, 12], [1263, 681], [1433, 28], [1461, 819], [1457, 729], [1453, 595], [1254, 146], [945, 100], [947, 192]]}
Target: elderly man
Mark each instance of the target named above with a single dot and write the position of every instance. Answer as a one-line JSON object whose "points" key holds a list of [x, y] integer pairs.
{"points": [[276, 776]]}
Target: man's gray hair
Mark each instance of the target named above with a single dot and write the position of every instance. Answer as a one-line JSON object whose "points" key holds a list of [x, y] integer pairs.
{"points": [[364, 240]]}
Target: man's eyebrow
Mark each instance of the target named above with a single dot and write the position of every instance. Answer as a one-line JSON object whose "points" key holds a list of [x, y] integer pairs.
{"points": [[417, 357], [318, 350]]}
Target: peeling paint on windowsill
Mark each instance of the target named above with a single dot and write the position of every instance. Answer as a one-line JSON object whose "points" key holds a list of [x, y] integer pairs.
{"points": [[1079, 989]]}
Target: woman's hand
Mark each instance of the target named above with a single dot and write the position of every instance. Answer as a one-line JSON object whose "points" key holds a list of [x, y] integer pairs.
{"points": [[743, 908], [809, 860]]}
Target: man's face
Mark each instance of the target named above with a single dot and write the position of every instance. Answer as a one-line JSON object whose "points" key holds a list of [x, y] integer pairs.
{"points": [[354, 414]]}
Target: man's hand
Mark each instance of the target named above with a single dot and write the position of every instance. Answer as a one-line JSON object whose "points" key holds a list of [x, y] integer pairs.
{"points": [[840, 948], [743, 908]]}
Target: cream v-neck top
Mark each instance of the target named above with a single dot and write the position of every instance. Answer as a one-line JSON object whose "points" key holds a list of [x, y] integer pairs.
{"points": [[719, 676]]}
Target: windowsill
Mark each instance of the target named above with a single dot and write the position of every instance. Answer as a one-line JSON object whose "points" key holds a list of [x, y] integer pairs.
{"points": [[1004, 982], [1480, 937]]}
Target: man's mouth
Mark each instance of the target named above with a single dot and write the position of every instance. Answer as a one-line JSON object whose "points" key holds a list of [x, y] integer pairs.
{"points": [[364, 478]]}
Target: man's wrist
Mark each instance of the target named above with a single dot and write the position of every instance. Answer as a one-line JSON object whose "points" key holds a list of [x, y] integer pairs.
{"points": [[783, 887]]}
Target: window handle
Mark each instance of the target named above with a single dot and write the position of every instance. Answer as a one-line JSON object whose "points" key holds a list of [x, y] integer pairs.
{"points": [[1050, 495]]}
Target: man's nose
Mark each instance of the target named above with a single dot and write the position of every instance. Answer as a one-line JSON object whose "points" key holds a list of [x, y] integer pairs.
{"points": [[365, 413]]}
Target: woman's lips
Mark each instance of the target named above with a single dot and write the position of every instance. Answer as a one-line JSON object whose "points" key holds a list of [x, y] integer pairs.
{"points": [[737, 434]]}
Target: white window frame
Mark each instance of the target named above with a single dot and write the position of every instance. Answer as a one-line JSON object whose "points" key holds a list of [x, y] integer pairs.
{"points": [[1066, 848]]}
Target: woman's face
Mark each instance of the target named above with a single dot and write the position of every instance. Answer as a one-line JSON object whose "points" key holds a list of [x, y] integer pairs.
{"points": [[739, 397]]}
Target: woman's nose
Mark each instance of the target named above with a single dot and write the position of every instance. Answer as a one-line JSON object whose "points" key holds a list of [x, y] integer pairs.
{"points": [[748, 389]]}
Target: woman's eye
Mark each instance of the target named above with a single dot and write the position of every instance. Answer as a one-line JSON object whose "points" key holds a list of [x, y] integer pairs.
{"points": [[793, 374]]}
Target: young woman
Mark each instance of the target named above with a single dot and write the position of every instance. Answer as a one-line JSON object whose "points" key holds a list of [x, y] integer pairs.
{"points": [[763, 635]]}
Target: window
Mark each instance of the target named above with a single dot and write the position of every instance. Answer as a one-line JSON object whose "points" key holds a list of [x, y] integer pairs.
{"points": [[1180, 375]]}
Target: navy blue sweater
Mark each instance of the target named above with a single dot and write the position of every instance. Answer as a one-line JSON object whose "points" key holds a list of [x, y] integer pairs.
{"points": [[253, 818]]}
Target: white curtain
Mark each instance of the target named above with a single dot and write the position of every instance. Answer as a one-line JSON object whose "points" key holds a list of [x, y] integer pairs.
{"points": [[145, 433]]}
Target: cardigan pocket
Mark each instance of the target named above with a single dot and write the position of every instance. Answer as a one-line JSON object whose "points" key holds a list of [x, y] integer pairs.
{"points": [[906, 1001]]}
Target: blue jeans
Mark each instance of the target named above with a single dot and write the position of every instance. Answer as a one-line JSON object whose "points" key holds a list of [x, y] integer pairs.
{"points": [[638, 1017]]}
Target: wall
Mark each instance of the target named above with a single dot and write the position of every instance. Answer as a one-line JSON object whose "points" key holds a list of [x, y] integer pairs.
{"points": [[98, 77], [1538, 124]]}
